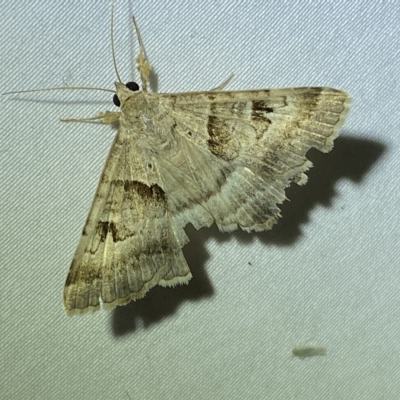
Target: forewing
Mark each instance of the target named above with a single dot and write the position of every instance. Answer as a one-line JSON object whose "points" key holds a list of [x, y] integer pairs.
{"points": [[241, 149], [128, 244]]}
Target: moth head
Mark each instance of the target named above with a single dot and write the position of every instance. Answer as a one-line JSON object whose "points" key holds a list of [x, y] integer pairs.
{"points": [[123, 92]]}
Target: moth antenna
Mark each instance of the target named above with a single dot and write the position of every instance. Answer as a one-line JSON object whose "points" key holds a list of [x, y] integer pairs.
{"points": [[143, 65], [139, 38], [112, 42], [61, 88], [82, 87]]}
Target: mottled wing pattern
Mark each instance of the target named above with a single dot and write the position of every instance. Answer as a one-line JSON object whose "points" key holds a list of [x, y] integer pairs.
{"points": [[128, 244], [192, 157], [240, 150]]}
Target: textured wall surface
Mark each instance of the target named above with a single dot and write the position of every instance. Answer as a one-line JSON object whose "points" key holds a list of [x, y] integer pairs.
{"points": [[327, 274]]}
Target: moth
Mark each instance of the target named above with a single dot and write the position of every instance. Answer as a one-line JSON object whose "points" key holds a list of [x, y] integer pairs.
{"points": [[194, 157]]}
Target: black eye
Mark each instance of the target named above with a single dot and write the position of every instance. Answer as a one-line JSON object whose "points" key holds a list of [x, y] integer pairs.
{"points": [[131, 86], [116, 100]]}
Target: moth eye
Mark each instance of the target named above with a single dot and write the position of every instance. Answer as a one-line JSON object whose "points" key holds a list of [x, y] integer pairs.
{"points": [[132, 86], [116, 100]]}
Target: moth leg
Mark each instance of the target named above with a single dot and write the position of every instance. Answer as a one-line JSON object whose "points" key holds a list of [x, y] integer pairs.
{"points": [[222, 84], [107, 117], [142, 64]]}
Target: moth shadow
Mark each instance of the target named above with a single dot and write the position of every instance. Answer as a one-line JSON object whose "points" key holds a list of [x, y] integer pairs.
{"points": [[351, 158], [153, 81], [160, 302]]}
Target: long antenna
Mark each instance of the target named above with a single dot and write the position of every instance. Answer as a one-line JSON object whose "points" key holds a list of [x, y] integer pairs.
{"points": [[82, 87], [114, 62], [61, 88], [112, 42], [139, 38]]}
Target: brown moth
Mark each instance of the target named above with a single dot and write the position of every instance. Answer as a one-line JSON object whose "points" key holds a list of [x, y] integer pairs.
{"points": [[194, 157]]}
